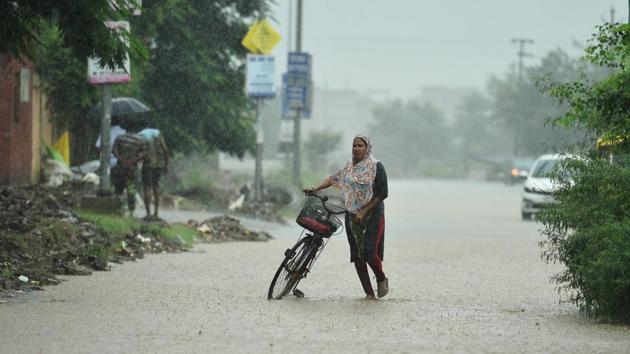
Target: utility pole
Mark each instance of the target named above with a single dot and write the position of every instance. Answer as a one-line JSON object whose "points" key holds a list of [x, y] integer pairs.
{"points": [[290, 31], [521, 53], [298, 112], [258, 173], [106, 119], [258, 179], [612, 14]]}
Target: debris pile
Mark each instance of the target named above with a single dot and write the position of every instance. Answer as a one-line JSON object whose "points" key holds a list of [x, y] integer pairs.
{"points": [[40, 237], [225, 228], [22, 208]]}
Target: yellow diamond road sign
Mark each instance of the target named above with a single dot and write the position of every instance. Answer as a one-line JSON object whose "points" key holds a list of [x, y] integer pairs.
{"points": [[261, 38]]}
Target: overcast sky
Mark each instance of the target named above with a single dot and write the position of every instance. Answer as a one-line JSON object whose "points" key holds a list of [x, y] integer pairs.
{"points": [[399, 46]]}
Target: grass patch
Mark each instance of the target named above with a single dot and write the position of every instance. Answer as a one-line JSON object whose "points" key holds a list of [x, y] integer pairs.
{"points": [[171, 233], [117, 227], [100, 250], [111, 225]]}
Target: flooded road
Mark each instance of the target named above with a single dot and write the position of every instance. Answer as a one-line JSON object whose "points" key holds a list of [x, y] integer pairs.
{"points": [[465, 276]]}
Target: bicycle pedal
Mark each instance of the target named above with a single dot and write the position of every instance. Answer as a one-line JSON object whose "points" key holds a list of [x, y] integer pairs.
{"points": [[298, 293]]}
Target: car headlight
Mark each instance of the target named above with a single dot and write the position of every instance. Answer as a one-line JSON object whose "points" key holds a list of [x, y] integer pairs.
{"points": [[528, 190]]}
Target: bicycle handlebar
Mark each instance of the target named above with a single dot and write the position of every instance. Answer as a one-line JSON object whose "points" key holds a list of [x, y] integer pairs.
{"points": [[324, 199]]}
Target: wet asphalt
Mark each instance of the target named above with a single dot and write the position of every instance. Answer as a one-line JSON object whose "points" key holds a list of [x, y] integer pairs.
{"points": [[465, 277]]}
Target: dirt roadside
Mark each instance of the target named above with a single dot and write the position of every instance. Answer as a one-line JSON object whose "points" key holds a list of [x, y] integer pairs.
{"points": [[43, 235]]}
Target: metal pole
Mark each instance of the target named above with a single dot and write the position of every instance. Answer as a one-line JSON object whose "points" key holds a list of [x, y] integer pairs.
{"points": [[104, 186], [521, 53], [290, 31], [297, 117], [258, 195]]}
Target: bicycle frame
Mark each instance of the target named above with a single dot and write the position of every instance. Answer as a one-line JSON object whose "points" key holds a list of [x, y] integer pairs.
{"points": [[296, 266], [314, 248]]}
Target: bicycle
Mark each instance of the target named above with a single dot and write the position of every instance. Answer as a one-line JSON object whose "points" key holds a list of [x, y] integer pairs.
{"points": [[320, 222]]}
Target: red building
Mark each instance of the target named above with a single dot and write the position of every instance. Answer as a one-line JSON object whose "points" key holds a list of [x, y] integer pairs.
{"points": [[24, 122]]}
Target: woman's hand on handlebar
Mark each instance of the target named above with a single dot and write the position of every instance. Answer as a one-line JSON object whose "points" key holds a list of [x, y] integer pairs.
{"points": [[310, 191]]}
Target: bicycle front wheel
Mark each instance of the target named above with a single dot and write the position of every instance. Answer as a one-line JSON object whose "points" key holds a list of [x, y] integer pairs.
{"points": [[289, 273]]}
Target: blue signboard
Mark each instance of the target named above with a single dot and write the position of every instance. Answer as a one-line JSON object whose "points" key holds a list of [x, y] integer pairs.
{"points": [[299, 63], [297, 85], [293, 94]]}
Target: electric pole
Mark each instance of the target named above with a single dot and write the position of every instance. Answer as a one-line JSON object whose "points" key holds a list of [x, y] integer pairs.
{"points": [[521, 53], [298, 112], [258, 170]]}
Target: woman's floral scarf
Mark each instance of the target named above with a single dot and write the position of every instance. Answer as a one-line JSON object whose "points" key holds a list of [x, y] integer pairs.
{"points": [[356, 181]]}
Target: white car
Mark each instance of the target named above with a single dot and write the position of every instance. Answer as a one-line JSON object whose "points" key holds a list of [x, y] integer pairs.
{"points": [[539, 187]]}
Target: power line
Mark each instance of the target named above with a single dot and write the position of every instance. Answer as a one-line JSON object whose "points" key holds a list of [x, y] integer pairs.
{"points": [[521, 53]]}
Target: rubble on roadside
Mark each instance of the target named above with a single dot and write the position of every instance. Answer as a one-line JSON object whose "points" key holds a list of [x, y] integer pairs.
{"points": [[225, 228], [40, 238]]}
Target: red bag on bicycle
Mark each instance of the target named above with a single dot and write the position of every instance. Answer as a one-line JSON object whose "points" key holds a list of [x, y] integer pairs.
{"points": [[314, 217]]}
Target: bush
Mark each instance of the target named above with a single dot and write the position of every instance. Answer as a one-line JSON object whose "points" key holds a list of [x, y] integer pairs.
{"points": [[589, 231]]}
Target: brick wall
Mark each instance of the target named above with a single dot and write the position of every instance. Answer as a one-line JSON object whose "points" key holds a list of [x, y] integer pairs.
{"points": [[16, 117]]}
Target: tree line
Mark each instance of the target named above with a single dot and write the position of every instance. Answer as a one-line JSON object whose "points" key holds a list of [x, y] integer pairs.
{"points": [[511, 117], [187, 64]]}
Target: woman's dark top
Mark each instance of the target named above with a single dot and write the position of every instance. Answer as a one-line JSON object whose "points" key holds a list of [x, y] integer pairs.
{"points": [[375, 223]]}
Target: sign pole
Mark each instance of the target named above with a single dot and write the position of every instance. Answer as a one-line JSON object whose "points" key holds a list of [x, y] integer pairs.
{"points": [[106, 76], [296, 148], [259, 82], [104, 186], [258, 183], [298, 112]]}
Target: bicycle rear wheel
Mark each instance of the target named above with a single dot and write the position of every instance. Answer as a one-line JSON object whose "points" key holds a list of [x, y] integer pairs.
{"points": [[289, 273]]}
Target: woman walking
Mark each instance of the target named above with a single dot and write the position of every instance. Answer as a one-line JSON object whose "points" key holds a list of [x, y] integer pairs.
{"points": [[363, 182]]}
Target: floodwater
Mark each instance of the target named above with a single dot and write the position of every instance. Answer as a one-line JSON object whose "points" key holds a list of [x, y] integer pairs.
{"points": [[465, 276]]}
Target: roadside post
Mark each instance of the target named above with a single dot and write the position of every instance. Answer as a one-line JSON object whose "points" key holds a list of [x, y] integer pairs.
{"points": [[297, 101], [260, 84], [298, 94], [106, 76]]}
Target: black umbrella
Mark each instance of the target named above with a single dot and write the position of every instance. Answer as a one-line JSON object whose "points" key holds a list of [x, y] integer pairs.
{"points": [[125, 110]]}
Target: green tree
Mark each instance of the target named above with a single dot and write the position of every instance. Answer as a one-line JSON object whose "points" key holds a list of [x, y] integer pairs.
{"points": [[193, 80], [70, 96], [81, 27], [195, 76], [587, 229], [524, 112], [475, 129]]}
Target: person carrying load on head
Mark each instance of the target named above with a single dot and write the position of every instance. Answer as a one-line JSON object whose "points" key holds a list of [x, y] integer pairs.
{"points": [[129, 149], [155, 163]]}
